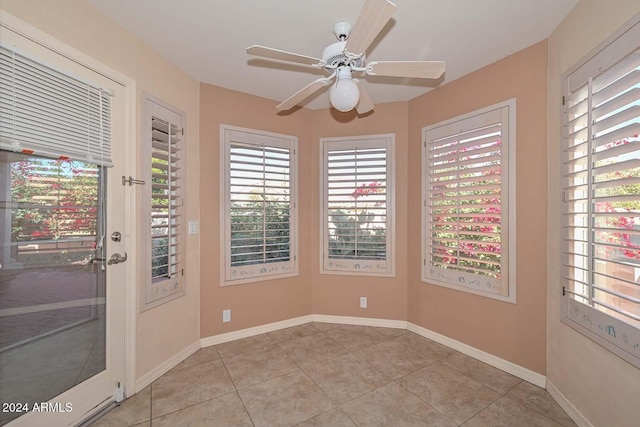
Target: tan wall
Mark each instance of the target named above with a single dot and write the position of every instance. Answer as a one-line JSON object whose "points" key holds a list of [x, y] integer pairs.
{"points": [[339, 294], [163, 331], [515, 332], [257, 303], [603, 387]]}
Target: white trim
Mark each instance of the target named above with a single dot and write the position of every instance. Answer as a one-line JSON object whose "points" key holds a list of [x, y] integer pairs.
{"points": [[256, 330], [508, 244], [165, 366], [360, 321], [567, 406], [369, 141], [488, 358]]}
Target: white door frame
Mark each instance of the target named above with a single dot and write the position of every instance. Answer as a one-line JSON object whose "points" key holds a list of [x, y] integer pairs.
{"points": [[10, 22]]}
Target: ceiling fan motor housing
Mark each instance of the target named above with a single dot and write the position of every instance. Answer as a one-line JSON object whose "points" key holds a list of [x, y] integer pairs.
{"points": [[334, 57]]}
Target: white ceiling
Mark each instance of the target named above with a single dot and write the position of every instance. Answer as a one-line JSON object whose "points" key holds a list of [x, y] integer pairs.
{"points": [[208, 38]]}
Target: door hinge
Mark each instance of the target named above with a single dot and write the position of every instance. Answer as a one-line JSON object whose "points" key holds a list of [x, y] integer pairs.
{"points": [[182, 131], [563, 291], [564, 100]]}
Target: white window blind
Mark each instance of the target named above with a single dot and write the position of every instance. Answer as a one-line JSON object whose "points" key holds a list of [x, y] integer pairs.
{"points": [[163, 203], [46, 112], [466, 201], [357, 198], [259, 205], [601, 194]]}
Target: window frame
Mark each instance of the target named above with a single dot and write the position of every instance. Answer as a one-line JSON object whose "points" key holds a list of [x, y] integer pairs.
{"points": [[388, 269], [615, 335], [256, 272], [155, 293], [507, 291]]}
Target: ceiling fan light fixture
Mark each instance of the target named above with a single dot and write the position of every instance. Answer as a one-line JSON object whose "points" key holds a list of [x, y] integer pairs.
{"points": [[344, 93]]}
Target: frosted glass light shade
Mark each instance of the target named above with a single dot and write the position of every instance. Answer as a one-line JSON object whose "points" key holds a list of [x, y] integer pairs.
{"points": [[344, 95]]}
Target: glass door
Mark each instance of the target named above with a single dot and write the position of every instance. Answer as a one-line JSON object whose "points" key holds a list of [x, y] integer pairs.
{"points": [[62, 276]]}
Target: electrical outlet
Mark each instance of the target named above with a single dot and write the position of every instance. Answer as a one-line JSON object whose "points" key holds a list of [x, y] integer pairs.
{"points": [[363, 302], [226, 316]]}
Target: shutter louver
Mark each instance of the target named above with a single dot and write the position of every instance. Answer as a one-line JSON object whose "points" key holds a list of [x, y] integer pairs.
{"points": [[48, 113], [165, 200]]}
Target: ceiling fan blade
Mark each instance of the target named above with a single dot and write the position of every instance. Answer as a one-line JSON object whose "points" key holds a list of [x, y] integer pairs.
{"points": [[372, 18], [282, 55], [303, 93], [365, 104], [414, 69]]}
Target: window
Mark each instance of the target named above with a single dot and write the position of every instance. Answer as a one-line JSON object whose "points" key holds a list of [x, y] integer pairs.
{"points": [[469, 202], [162, 203], [258, 205], [357, 205], [601, 196]]}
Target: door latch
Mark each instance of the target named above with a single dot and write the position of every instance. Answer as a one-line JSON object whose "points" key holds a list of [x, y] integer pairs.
{"points": [[117, 258]]}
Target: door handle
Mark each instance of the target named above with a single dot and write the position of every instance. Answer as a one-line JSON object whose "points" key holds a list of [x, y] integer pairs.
{"points": [[117, 258]]}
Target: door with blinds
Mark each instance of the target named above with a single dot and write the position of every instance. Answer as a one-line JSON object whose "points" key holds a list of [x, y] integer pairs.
{"points": [[62, 236]]}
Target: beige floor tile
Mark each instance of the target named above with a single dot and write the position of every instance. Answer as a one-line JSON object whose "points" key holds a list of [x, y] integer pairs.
{"points": [[487, 375], [134, 410], [391, 405], [393, 358], [289, 334], [284, 401], [322, 326], [143, 424], [227, 411], [425, 346], [332, 418], [254, 367], [508, 413], [185, 387], [312, 349], [390, 332], [346, 377], [455, 395], [539, 400], [245, 344], [203, 355], [353, 336]]}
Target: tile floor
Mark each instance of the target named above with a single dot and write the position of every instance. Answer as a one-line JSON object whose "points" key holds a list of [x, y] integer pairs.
{"points": [[322, 374]]}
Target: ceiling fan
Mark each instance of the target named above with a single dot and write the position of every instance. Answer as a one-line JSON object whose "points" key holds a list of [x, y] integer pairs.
{"points": [[346, 57]]}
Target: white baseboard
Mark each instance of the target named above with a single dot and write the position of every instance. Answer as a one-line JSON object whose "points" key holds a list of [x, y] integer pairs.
{"points": [[164, 367], [488, 358], [257, 330], [361, 321], [567, 406]]}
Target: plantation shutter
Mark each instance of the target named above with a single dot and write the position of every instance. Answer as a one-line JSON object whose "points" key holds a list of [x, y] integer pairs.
{"points": [[466, 203], [601, 183], [162, 202], [46, 112], [260, 201], [165, 199], [356, 195]]}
